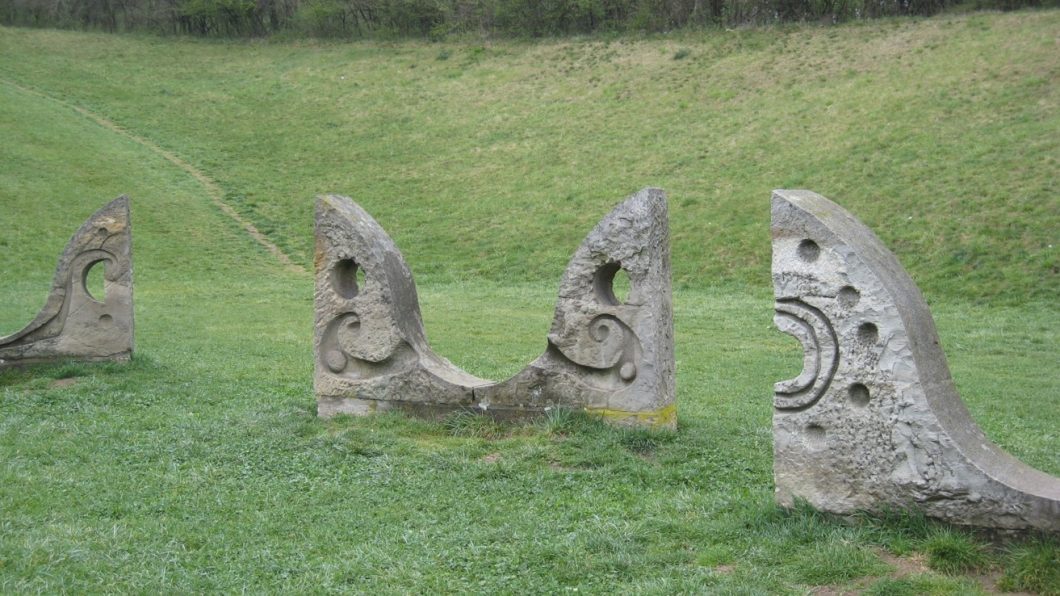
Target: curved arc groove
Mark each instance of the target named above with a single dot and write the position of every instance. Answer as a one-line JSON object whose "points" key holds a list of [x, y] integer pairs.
{"points": [[821, 355]]}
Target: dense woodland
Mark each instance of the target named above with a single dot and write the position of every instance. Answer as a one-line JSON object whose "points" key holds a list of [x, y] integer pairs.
{"points": [[436, 19]]}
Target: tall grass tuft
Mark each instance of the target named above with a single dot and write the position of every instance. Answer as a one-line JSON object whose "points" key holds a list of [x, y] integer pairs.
{"points": [[950, 551], [1034, 567]]}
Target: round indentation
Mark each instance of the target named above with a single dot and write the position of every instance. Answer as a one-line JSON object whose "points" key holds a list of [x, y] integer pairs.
{"points": [[344, 277], [600, 331], [809, 251], [859, 395], [815, 435], [868, 333], [628, 371], [612, 284], [335, 360], [848, 297], [101, 232], [106, 320]]}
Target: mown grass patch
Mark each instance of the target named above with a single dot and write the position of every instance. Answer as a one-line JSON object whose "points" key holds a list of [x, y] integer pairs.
{"points": [[201, 466]]}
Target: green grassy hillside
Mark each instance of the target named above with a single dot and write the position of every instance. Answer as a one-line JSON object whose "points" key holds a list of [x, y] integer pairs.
{"points": [[492, 161], [201, 467]]}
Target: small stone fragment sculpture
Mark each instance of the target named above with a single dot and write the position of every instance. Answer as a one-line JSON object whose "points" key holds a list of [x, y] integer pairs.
{"points": [[74, 324], [604, 356], [874, 420]]}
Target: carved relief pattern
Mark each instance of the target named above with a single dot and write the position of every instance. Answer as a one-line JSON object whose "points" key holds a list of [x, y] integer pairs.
{"points": [[605, 343], [874, 420], [821, 354], [372, 351], [74, 323]]}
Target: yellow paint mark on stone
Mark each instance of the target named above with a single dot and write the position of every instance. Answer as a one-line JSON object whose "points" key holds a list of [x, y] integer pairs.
{"points": [[665, 417]]}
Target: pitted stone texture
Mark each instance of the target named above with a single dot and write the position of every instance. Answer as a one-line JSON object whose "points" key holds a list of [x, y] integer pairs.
{"points": [[74, 325], [369, 336], [606, 356], [874, 420]]}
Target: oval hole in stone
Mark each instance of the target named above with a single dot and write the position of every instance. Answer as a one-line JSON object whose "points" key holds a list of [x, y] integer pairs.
{"points": [[868, 333], [612, 284], [362, 281], [620, 286], [94, 284], [848, 297], [106, 320], [345, 276], [809, 251], [859, 395]]}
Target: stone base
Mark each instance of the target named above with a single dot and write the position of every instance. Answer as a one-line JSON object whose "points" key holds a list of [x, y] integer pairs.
{"points": [[665, 418], [28, 362]]}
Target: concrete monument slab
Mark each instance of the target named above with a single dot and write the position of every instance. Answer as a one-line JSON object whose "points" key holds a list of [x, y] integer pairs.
{"points": [[874, 420], [74, 324], [604, 355]]}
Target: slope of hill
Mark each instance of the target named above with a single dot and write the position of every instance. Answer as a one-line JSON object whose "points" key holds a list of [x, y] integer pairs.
{"points": [[491, 162]]}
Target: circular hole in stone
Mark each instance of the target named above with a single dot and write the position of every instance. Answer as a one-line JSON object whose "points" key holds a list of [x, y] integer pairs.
{"points": [[101, 232], [868, 333], [612, 284], [848, 297], [809, 251], [815, 435], [106, 320], [345, 276], [859, 395], [93, 282]]}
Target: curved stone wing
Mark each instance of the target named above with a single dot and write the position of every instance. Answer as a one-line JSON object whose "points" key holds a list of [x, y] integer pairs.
{"points": [[370, 345], [604, 355], [887, 429], [74, 324]]}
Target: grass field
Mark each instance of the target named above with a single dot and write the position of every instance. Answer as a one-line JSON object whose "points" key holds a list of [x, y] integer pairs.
{"points": [[484, 160], [200, 466]]}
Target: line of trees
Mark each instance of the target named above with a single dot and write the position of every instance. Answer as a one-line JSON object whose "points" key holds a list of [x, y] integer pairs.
{"points": [[438, 18]]}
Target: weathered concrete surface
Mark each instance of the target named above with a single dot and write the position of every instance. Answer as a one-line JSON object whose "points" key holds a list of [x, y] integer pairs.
{"points": [[605, 356], [874, 420], [74, 324]]}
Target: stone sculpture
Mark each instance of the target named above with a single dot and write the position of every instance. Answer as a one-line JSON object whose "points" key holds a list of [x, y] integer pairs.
{"points": [[874, 420], [605, 356], [74, 324]]}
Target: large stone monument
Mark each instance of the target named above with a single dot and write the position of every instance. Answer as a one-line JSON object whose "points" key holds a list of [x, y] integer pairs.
{"points": [[606, 356], [74, 324], [874, 420]]}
